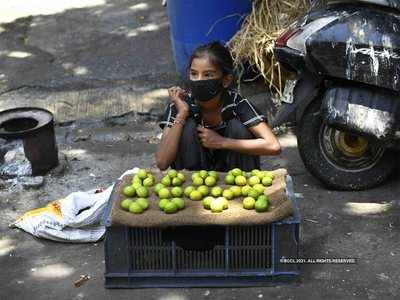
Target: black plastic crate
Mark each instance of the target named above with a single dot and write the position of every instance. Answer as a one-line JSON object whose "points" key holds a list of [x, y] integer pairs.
{"points": [[202, 256]]}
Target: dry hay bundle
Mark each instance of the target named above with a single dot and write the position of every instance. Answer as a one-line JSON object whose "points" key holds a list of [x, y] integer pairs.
{"points": [[255, 41]]}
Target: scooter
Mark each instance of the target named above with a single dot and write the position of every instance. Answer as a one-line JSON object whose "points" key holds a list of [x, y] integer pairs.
{"points": [[345, 101]]}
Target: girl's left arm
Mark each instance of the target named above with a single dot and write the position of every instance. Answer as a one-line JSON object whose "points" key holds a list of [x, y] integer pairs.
{"points": [[265, 142]]}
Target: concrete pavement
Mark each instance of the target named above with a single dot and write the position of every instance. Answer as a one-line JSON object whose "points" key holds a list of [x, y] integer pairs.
{"points": [[103, 59], [363, 225]]}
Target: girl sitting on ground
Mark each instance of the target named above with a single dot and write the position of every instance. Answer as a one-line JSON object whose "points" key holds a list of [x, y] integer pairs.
{"points": [[211, 126]]}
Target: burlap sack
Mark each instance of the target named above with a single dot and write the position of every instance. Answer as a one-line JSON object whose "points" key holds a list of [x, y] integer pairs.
{"points": [[194, 214]]}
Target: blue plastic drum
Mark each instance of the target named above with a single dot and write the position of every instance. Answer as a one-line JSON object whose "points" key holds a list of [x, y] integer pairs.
{"points": [[195, 22]]}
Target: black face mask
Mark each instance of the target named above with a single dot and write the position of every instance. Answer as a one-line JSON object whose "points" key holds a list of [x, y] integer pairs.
{"points": [[205, 90]]}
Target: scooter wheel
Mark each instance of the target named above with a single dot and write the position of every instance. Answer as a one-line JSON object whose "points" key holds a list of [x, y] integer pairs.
{"points": [[341, 160]]}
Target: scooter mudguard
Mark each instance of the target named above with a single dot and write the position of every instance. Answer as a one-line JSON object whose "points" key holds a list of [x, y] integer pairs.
{"points": [[304, 92], [388, 3], [362, 45], [362, 111]]}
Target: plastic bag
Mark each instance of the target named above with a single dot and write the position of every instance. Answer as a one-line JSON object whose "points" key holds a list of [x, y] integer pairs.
{"points": [[75, 218]]}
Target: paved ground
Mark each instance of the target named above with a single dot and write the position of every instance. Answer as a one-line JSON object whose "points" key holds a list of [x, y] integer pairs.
{"points": [[95, 59], [103, 59], [334, 224]]}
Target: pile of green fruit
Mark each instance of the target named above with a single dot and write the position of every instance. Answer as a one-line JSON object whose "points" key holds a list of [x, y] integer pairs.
{"points": [[173, 178], [202, 181], [203, 177], [255, 177], [171, 200], [135, 206], [171, 206], [260, 205], [139, 187], [216, 205], [252, 186]]}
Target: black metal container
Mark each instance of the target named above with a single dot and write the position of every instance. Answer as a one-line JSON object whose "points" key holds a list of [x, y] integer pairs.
{"points": [[35, 126]]}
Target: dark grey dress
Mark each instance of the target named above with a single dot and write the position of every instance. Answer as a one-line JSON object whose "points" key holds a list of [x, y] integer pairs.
{"points": [[238, 114]]}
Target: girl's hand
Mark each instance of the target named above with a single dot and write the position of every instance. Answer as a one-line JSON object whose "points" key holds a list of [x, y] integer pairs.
{"points": [[176, 94], [210, 139]]}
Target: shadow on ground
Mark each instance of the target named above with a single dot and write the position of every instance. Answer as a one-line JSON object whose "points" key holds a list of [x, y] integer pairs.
{"points": [[116, 41]]}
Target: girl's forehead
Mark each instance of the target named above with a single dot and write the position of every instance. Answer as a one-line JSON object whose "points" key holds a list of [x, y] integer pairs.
{"points": [[203, 63]]}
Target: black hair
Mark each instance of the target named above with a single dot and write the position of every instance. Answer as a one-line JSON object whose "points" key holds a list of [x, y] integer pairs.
{"points": [[218, 54]]}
